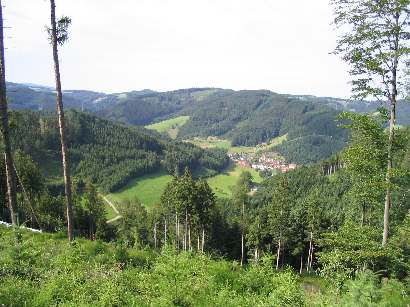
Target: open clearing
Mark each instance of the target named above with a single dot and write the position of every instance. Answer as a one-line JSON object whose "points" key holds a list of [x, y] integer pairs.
{"points": [[170, 126], [148, 189]]}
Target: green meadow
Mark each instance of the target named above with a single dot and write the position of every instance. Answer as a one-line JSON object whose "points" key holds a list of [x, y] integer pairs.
{"points": [[148, 189], [170, 126]]}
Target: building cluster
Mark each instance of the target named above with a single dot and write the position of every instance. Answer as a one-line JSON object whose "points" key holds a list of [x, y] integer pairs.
{"points": [[268, 161]]}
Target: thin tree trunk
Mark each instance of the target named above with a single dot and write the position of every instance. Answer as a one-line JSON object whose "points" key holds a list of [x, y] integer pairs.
{"points": [[243, 235], [203, 240], [309, 266], [198, 247], [278, 255], [189, 237], [256, 255], [242, 249], [301, 264], [155, 235], [186, 231], [61, 123], [176, 230], [165, 232], [392, 122], [8, 158]]}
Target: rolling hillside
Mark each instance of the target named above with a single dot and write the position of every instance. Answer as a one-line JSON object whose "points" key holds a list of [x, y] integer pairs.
{"points": [[107, 153], [242, 118]]}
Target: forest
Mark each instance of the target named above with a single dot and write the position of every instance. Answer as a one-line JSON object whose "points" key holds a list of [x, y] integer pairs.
{"points": [[333, 232], [107, 153], [246, 118]]}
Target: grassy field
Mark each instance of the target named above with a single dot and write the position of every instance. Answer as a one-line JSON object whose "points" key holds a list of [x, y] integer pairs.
{"points": [[212, 142], [147, 189], [222, 184], [170, 126]]}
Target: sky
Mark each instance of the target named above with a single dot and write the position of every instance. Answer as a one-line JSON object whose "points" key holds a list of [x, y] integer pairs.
{"points": [[123, 45]]}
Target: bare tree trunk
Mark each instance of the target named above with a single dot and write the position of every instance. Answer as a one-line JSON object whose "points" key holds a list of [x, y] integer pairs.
{"points": [[242, 249], [203, 240], [165, 232], [278, 255], [198, 248], [176, 230], [186, 231], [301, 264], [8, 157], [155, 235], [61, 123], [310, 255], [256, 255], [243, 235], [189, 237], [392, 122]]}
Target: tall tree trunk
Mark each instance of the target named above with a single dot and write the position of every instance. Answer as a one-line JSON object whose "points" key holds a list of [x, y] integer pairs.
{"points": [[243, 235], [61, 124], [198, 247], [392, 122], [203, 240], [11, 183], [155, 235], [176, 230], [165, 232], [242, 249], [301, 264], [189, 237], [256, 255], [278, 255], [186, 231], [310, 255]]}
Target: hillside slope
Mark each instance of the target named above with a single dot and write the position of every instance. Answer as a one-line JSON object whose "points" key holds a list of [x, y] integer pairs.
{"points": [[108, 153], [245, 118]]}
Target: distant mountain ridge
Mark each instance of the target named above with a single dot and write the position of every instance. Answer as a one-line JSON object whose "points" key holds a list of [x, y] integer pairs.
{"points": [[246, 117]]}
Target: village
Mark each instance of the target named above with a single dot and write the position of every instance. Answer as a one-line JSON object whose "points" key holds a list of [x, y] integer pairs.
{"points": [[266, 161]]}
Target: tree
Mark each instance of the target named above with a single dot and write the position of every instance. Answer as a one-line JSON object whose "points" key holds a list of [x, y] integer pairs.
{"points": [[376, 45], [58, 36], [279, 216], [241, 199], [11, 184]]}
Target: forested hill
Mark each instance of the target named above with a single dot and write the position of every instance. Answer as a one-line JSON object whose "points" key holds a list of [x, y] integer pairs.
{"points": [[244, 117], [107, 153]]}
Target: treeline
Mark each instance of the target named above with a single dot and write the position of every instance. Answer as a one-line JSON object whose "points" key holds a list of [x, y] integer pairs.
{"points": [[249, 118], [246, 118], [106, 153]]}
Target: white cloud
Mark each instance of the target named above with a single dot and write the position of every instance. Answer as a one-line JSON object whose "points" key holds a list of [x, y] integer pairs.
{"points": [[122, 45]]}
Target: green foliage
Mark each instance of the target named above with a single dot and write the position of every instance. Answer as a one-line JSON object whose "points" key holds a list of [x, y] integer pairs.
{"points": [[106, 153], [375, 43], [89, 273]]}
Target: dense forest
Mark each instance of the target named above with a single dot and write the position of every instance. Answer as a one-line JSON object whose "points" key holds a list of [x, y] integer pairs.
{"points": [[333, 232], [106, 153], [323, 221]]}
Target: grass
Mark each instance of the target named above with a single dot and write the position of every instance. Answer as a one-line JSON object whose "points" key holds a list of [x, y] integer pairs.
{"points": [[222, 183], [211, 142], [170, 126], [147, 189], [201, 95]]}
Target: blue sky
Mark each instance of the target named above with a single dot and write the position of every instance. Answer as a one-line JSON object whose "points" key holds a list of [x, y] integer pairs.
{"points": [[115, 46]]}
